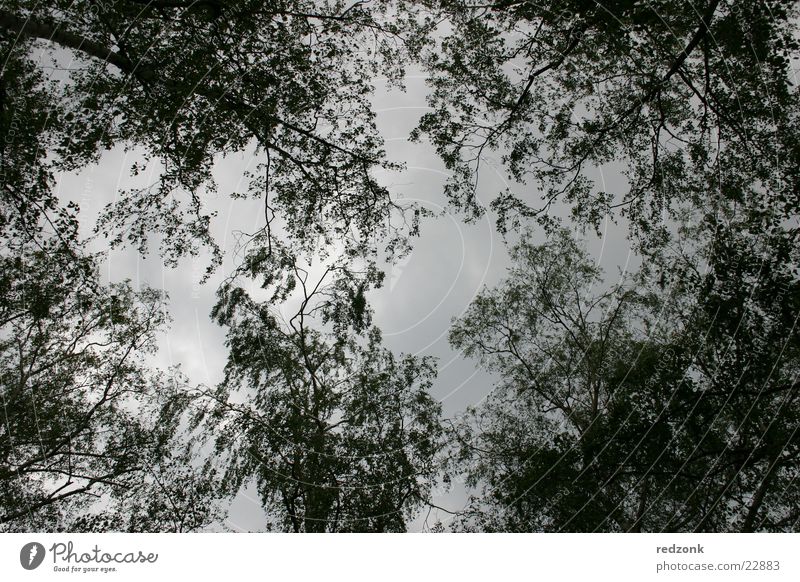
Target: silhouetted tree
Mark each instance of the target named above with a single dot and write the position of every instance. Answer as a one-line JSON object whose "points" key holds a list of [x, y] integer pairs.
{"points": [[666, 400], [185, 83], [189, 82], [84, 418], [669, 407], [688, 99], [336, 432]]}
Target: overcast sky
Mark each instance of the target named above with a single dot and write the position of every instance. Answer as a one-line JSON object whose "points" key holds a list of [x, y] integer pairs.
{"points": [[451, 262]]}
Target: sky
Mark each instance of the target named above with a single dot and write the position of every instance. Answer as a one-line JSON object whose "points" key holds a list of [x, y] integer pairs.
{"points": [[451, 262]]}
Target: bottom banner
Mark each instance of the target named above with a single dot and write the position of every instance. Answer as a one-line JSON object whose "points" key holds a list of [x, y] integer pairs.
{"points": [[373, 557]]}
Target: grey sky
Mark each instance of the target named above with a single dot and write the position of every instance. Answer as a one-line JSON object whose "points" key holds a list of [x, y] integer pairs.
{"points": [[451, 262]]}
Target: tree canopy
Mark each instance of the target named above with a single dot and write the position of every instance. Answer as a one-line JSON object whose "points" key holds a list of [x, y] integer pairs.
{"points": [[692, 99], [633, 408], [337, 433], [84, 415], [188, 82], [664, 399]]}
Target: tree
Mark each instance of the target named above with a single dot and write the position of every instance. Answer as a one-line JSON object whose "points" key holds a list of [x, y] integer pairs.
{"points": [[336, 432], [83, 416], [86, 424], [667, 400], [188, 82], [558, 342], [689, 99], [175, 494], [29, 208], [695, 104], [636, 408], [741, 343]]}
